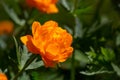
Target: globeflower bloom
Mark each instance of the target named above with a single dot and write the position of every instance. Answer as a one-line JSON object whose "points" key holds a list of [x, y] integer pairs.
{"points": [[47, 6], [3, 76], [50, 41], [6, 27]]}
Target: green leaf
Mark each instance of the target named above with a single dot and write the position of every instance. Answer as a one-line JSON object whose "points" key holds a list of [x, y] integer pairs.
{"points": [[87, 11], [116, 68], [108, 54], [12, 14], [17, 50], [108, 9], [65, 3], [35, 64], [91, 54], [66, 64], [118, 40], [24, 56], [24, 77], [15, 5], [79, 31], [82, 58], [95, 72], [3, 44], [46, 74]]}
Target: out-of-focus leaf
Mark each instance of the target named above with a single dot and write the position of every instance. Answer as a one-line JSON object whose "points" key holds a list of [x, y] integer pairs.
{"points": [[63, 17], [79, 56], [65, 3], [91, 54], [24, 77], [79, 31], [95, 72], [3, 71], [87, 11], [15, 5], [70, 5], [0, 70], [107, 9], [13, 15], [46, 75], [118, 40], [108, 54], [68, 29], [3, 14], [66, 64], [103, 21], [17, 50], [116, 68], [2, 43], [96, 27]]}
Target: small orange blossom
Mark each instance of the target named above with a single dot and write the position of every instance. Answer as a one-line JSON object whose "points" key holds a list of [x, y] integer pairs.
{"points": [[50, 41], [6, 27], [47, 6], [3, 76]]}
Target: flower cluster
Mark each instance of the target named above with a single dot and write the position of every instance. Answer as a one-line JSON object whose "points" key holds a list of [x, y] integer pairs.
{"points": [[50, 41], [47, 6]]}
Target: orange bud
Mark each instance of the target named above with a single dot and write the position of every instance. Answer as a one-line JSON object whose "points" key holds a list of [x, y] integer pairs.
{"points": [[47, 6], [6, 27], [3, 76]]}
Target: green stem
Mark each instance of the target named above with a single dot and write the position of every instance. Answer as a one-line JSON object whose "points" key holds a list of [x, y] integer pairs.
{"points": [[73, 56], [17, 49], [74, 6], [26, 65], [73, 67]]}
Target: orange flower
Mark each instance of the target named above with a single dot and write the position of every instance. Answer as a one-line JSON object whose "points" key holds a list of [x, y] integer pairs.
{"points": [[50, 41], [47, 6], [3, 76], [6, 27]]}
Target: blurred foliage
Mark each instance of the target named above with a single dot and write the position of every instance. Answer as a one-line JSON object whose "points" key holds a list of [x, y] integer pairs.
{"points": [[95, 26]]}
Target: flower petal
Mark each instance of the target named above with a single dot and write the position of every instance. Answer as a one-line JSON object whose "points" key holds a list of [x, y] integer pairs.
{"points": [[63, 56], [30, 3], [3, 76], [27, 40], [54, 1], [52, 9], [35, 25], [48, 63], [50, 24]]}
